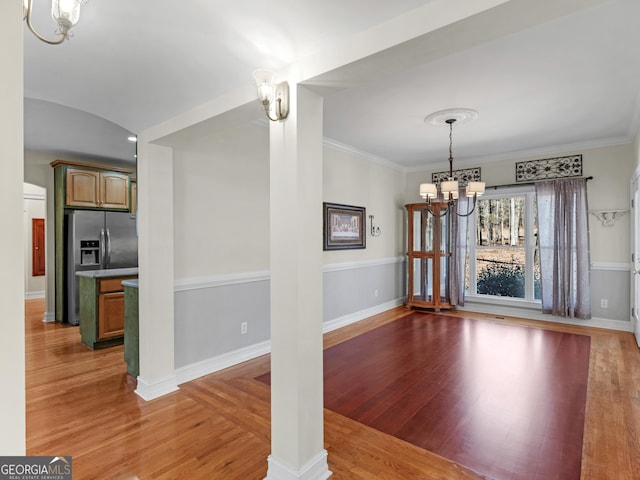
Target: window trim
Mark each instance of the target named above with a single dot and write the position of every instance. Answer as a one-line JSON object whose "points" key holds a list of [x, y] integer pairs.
{"points": [[528, 191]]}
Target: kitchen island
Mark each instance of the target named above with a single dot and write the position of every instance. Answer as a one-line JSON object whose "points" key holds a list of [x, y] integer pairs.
{"points": [[102, 305], [131, 329]]}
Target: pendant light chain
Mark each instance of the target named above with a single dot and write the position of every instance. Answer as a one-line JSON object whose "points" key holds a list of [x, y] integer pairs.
{"points": [[451, 122]]}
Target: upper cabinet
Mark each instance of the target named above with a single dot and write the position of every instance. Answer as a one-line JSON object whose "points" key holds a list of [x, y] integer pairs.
{"points": [[93, 186], [97, 189]]}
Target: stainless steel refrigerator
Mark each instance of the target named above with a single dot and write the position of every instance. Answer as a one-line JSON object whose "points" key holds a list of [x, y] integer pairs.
{"points": [[96, 241]]}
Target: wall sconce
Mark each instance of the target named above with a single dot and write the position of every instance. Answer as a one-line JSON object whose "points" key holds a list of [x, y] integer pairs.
{"points": [[274, 97], [608, 217], [375, 231], [65, 13]]}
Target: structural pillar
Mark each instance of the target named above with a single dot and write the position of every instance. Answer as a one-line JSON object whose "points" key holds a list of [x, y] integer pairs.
{"points": [[297, 417], [155, 258], [12, 356]]}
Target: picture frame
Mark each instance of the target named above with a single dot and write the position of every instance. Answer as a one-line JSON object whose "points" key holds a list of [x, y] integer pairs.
{"points": [[344, 227]]}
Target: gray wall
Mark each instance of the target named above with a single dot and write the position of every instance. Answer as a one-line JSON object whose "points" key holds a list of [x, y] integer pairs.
{"points": [[208, 314]]}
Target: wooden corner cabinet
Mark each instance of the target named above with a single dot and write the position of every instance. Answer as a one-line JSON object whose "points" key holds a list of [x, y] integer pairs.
{"points": [[428, 256]]}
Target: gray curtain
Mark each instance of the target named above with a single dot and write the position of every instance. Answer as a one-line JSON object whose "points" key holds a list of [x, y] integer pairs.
{"points": [[563, 240], [459, 226]]}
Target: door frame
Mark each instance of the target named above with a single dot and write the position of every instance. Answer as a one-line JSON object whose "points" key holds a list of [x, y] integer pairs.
{"points": [[634, 273]]}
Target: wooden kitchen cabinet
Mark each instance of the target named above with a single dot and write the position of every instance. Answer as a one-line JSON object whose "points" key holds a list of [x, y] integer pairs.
{"points": [[110, 308], [97, 189], [102, 311]]}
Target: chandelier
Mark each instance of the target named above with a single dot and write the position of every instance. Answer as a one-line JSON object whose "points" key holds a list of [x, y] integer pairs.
{"points": [[65, 13], [449, 190]]}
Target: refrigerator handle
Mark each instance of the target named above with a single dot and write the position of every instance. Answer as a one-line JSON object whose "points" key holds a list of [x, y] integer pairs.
{"points": [[108, 249], [103, 249]]}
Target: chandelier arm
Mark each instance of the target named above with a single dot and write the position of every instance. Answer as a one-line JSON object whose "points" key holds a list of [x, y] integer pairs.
{"points": [[472, 209], [63, 33], [440, 215]]}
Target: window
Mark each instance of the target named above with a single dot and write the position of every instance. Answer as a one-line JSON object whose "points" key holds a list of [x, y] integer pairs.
{"points": [[503, 261]]}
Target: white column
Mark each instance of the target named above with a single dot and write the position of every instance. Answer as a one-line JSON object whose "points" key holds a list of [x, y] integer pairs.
{"points": [[12, 358], [155, 258], [297, 437]]}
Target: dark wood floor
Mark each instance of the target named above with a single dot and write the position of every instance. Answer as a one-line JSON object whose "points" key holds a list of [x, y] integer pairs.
{"points": [[81, 403], [504, 400]]}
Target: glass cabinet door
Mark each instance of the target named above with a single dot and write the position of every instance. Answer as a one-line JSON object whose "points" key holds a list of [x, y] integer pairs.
{"points": [[422, 279]]}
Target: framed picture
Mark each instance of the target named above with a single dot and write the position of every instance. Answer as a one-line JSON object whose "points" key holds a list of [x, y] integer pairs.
{"points": [[344, 227]]}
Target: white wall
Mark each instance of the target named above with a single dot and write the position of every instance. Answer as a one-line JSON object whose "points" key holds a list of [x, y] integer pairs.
{"points": [[354, 180], [12, 353], [221, 186], [221, 210], [34, 207]]}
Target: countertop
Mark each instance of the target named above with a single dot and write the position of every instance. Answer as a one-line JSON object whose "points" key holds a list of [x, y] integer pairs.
{"points": [[130, 283], [111, 272]]}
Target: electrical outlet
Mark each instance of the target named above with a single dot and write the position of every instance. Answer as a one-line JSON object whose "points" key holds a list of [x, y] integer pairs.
{"points": [[243, 328], [604, 303]]}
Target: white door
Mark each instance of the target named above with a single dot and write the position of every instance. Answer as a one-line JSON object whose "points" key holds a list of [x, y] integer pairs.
{"points": [[635, 271]]}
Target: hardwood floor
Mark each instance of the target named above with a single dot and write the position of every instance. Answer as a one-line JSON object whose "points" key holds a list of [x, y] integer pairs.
{"points": [[81, 403], [504, 400]]}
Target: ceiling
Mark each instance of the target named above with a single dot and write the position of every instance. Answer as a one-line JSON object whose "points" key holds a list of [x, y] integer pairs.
{"points": [[567, 81]]}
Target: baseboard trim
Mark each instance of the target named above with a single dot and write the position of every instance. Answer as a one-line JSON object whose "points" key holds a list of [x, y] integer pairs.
{"points": [[345, 320], [220, 362], [156, 389], [492, 310], [316, 469], [49, 317]]}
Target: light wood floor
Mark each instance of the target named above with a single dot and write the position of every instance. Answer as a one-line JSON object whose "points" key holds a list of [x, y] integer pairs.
{"points": [[81, 403]]}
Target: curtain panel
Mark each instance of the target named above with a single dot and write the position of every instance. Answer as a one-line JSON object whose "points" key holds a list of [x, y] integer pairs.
{"points": [[459, 236], [563, 241]]}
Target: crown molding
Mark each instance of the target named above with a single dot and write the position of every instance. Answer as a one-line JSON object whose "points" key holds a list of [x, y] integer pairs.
{"points": [[341, 147]]}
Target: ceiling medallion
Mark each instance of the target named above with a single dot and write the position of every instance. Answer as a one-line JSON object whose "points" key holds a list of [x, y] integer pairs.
{"points": [[459, 115]]}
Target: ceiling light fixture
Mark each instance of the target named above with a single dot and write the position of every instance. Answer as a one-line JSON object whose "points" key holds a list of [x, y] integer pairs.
{"points": [[449, 189], [274, 96], [65, 13]]}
